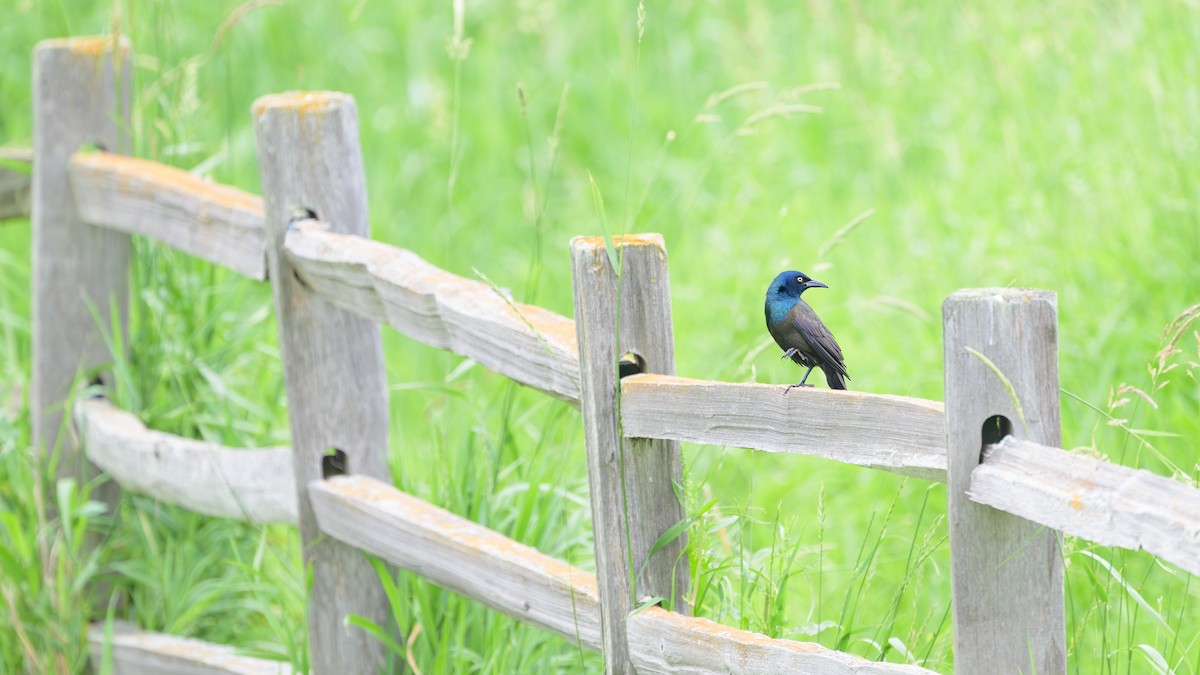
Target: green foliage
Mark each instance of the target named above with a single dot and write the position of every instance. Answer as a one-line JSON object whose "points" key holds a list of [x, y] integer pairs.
{"points": [[897, 152]]}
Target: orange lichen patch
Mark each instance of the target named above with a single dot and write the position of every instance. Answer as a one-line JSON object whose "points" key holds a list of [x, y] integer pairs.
{"points": [[1076, 500], [303, 102], [708, 630], [92, 46], [141, 176], [620, 241]]}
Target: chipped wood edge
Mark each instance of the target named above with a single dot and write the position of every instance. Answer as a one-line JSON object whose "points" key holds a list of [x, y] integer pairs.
{"points": [[666, 642], [253, 485], [898, 434], [218, 223], [460, 555], [15, 183], [526, 343], [1108, 504], [147, 653]]}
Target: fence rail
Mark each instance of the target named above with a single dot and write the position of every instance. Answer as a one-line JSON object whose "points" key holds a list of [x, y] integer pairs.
{"points": [[333, 285]]}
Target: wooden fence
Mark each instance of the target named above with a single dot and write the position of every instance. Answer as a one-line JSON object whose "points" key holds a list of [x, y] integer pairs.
{"points": [[333, 286]]}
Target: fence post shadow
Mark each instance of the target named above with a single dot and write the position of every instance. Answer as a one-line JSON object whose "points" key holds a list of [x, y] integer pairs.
{"points": [[1001, 360], [309, 157]]}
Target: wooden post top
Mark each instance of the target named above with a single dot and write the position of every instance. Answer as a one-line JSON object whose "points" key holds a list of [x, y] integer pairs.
{"points": [[91, 46], [303, 102], [1002, 295], [652, 239]]}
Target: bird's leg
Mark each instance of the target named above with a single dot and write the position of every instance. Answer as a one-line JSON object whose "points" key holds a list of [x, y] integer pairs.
{"points": [[801, 382], [789, 353]]}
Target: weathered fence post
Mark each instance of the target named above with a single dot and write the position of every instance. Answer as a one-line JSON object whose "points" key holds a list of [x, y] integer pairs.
{"points": [[1006, 572], [309, 157], [80, 272], [632, 482]]}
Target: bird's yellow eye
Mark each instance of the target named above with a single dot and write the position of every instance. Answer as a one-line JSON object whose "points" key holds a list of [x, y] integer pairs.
{"points": [[800, 279]]}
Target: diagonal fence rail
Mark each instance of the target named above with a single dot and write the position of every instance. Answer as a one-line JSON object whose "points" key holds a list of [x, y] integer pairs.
{"points": [[1014, 487]]}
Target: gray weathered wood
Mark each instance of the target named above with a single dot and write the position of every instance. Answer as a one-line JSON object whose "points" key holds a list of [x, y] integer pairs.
{"points": [[531, 345], [1109, 504], [1006, 572], [138, 652], [893, 433], [631, 481], [14, 183], [253, 485], [459, 555], [669, 643], [218, 223], [308, 156], [80, 272]]}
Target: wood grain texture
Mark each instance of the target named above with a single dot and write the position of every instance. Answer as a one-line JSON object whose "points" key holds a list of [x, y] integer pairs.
{"points": [[252, 485], [218, 223], [137, 652], [670, 643], [15, 182], [631, 481], [1109, 504], [459, 555], [308, 156], [80, 272], [1006, 572], [893, 433], [531, 345]]}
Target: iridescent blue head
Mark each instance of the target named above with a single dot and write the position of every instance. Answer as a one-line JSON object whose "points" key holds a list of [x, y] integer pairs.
{"points": [[785, 291]]}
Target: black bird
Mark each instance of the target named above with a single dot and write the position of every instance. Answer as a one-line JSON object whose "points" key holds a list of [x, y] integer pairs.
{"points": [[799, 332]]}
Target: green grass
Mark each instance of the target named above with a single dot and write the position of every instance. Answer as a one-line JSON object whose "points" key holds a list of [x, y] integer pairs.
{"points": [[1049, 146]]}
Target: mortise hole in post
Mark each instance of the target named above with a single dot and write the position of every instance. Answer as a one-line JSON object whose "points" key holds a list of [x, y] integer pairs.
{"points": [[630, 364], [995, 428], [302, 213], [334, 463]]}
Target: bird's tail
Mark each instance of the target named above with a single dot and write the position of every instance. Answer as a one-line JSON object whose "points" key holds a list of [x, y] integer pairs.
{"points": [[834, 378]]}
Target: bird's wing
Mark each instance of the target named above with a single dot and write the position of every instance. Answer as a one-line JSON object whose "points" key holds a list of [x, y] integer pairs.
{"points": [[824, 347]]}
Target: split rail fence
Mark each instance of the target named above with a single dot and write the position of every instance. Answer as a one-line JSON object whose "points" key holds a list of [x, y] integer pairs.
{"points": [[1011, 489]]}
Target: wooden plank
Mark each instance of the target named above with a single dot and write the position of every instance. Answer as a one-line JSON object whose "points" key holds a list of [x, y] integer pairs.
{"points": [[667, 642], [252, 485], [459, 555], [631, 481], [531, 345], [137, 652], [893, 433], [218, 223], [1006, 572], [16, 168], [1109, 504], [80, 272], [308, 156]]}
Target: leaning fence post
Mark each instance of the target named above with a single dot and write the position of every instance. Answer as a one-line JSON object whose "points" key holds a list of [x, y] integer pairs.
{"points": [[80, 272], [632, 482], [309, 158], [1006, 572]]}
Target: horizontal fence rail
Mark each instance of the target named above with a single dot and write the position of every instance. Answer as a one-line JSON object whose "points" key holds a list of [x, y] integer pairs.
{"points": [[390, 285], [16, 167], [253, 485], [1109, 504], [529, 586], [218, 223], [894, 433], [136, 652]]}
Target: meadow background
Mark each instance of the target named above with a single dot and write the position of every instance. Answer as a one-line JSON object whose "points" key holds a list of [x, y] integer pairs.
{"points": [[896, 151]]}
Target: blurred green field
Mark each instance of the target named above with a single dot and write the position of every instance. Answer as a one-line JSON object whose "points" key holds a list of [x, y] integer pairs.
{"points": [[1049, 145]]}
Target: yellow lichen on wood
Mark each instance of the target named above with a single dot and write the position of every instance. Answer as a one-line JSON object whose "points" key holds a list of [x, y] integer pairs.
{"points": [[303, 102]]}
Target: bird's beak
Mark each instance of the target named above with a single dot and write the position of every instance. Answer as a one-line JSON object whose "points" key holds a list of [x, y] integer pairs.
{"points": [[813, 283]]}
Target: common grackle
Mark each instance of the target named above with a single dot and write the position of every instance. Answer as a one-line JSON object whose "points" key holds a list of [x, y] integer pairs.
{"points": [[799, 332]]}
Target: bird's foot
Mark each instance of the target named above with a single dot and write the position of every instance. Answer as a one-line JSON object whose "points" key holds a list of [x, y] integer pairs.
{"points": [[793, 386], [789, 353]]}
